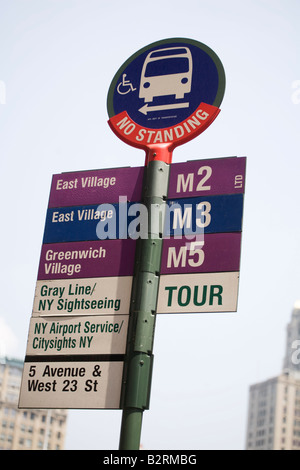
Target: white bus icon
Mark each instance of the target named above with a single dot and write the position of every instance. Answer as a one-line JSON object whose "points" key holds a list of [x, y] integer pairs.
{"points": [[166, 72]]}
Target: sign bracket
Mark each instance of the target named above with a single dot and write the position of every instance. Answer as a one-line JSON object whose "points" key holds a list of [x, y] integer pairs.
{"points": [[162, 153]]}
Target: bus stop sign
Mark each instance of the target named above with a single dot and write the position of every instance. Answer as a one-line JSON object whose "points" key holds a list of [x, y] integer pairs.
{"points": [[166, 94]]}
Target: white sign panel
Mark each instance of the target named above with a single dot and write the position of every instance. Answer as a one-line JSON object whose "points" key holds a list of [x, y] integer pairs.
{"points": [[77, 335], [91, 296], [198, 293], [89, 385]]}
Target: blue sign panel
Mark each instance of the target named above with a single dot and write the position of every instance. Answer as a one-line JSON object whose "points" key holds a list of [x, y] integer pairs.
{"points": [[164, 83], [207, 214], [93, 222]]}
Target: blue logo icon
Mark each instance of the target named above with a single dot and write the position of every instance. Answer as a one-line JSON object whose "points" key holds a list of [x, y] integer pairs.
{"points": [[164, 83]]}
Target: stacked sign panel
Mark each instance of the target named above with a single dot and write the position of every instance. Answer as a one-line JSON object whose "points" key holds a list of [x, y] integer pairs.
{"points": [[78, 329], [201, 249]]}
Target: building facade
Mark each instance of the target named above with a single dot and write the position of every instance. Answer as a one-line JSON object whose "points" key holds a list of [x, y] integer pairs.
{"points": [[26, 429], [274, 405], [291, 361], [274, 414]]}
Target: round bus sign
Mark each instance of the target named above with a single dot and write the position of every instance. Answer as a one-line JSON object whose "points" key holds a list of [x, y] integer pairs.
{"points": [[166, 94]]}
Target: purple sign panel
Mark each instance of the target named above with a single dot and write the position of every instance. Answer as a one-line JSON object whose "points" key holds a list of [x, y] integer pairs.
{"points": [[96, 187], [207, 177], [103, 258], [214, 252]]}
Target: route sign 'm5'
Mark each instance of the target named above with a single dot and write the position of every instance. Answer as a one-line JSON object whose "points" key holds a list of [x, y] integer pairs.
{"points": [[166, 94]]}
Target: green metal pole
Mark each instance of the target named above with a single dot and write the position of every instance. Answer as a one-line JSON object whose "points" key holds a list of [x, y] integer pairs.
{"points": [[139, 358]]}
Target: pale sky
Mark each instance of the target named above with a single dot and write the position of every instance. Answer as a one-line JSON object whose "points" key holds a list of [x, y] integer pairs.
{"points": [[57, 60]]}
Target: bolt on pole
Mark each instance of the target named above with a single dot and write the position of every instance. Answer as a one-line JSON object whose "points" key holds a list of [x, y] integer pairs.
{"points": [[139, 357]]}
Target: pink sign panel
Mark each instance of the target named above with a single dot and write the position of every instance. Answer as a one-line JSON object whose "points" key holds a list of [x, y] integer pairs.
{"points": [[207, 177], [214, 252], [96, 187], [103, 258]]}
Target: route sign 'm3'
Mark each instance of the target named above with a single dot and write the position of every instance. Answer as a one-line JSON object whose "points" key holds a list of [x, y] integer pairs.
{"points": [[167, 93]]}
